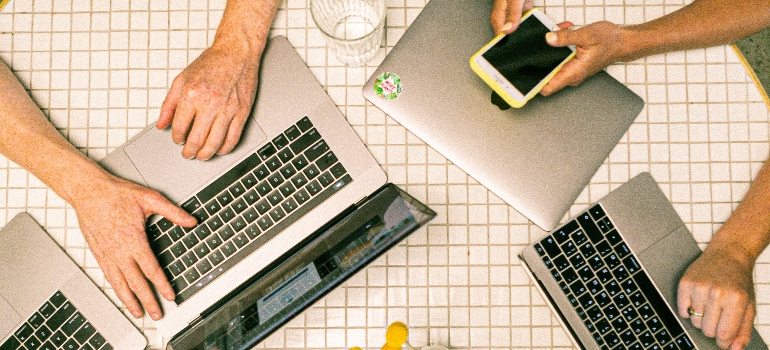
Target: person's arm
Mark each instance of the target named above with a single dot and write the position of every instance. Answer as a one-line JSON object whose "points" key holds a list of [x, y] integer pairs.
{"points": [[702, 23], [719, 283], [111, 212], [209, 101]]}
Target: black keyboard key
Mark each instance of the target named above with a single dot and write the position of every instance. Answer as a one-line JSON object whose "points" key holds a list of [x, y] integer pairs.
{"points": [[299, 180], [226, 233], [587, 249], [273, 163], [71, 345], [262, 206], [241, 240], [213, 207], [261, 172], [577, 261], [201, 215], [249, 181], [305, 141], [24, 332], [608, 224], [153, 232], [190, 240], [191, 205], [301, 196], [611, 339], [286, 189], [275, 197], [237, 190], [32, 343], [325, 161], [587, 302], [178, 249], [228, 178], [646, 339], [646, 312], [178, 284], [267, 151], [621, 300], [595, 262], [285, 155], [595, 313], [224, 199], [614, 237], [252, 231], [215, 223], [202, 232], [603, 248], [57, 299], [227, 214], [48, 346], [629, 286], [589, 227], [569, 248], [313, 187], [251, 197], [658, 304], [176, 233], [304, 124], [277, 214], [627, 337], [216, 257], [569, 275], [189, 259], [250, 215], [603, 326], [280, 141], [36, 320], [603, 299], [631, 264], [578, 237], [60, 316], [238, 224], [239, 206], [551, 247], [191, 276], [97, 341], [204, 267], [85, 333], [611, 312], [596, 212], [289, 205], [58, 339], [663, 337], [311, 171], [265, 222], [619, 324], [338, 170], [604, 275], [201, 250], [264, 188], [275, 180], [177, 268], [622, 250], [11, 344], [586, 274], [213, 242], [613, 288], [292, 133], [165, 259], [684, 342], [300, 162], [164, 224], [577, 288], [594, 286], [228, 249], [560, 262], [563, 233], [620, 273]]}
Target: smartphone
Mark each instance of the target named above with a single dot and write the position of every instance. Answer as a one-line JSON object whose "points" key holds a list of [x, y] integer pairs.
{"points": [[519, 64]]}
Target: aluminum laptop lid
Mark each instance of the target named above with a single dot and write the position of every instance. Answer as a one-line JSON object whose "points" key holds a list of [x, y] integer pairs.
{"points": [[537, 158], [307, 272], [34, 268], [658, 238]]}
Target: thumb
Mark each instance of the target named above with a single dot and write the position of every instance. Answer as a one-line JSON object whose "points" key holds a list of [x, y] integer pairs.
{"points": [[168, 107], [157, 204], [558, 38]]}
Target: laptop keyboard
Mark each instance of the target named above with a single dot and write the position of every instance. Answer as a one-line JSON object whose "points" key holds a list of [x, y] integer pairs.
{"points": [[607, 286], [247, 206], [56, 325]]}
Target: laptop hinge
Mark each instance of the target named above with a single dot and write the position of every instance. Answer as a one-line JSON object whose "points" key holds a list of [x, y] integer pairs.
{"points": [[195, 321], [360, 201]]}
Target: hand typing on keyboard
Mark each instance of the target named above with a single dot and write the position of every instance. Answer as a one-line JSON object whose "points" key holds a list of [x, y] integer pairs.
{"points": [[112, 216]]}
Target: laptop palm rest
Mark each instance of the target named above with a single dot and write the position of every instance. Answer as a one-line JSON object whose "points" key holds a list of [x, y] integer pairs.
{"points": [[9, 317], [159, 160]]}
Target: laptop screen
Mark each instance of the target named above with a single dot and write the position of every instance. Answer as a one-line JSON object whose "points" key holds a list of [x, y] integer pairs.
{"points": [[307, 272]]}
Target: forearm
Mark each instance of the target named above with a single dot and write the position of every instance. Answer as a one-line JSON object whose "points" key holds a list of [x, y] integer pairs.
{"points": [[702, 23], [29, 139], [746, 233], [245, 26]]}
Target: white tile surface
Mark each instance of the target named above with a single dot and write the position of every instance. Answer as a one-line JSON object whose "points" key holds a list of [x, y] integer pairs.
{"points": [[100, 70]]}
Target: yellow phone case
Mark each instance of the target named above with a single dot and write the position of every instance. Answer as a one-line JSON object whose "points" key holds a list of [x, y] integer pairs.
{"points": [[497, 87]]}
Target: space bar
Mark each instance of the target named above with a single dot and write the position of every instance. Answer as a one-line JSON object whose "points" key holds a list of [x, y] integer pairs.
{"points": [[261, 239]]}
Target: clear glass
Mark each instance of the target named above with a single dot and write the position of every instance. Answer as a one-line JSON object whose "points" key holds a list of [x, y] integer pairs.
{"points": [[352, 28]]}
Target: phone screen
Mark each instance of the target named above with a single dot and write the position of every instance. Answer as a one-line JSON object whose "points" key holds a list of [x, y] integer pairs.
{"points": [[524, 58]]}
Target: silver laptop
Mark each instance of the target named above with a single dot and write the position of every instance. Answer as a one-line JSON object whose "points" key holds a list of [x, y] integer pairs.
{"points": [[298, 165], [48, 302], [611, 273], [537, 158]]}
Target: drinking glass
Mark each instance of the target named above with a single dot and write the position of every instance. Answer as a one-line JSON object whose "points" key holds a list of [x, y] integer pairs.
{"points": [[352, 28]]}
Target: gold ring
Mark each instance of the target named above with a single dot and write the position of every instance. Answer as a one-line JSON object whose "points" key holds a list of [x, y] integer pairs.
{"points": [[693, 313]]}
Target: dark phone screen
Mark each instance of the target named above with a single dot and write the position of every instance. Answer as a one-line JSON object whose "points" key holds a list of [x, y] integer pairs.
{"points": [[524, 58]]}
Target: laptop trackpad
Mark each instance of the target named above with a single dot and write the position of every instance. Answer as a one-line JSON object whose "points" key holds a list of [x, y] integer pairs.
{"points": [[9, 318], [159, 160]]}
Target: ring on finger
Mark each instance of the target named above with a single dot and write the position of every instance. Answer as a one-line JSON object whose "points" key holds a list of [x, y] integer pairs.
{"points": [[693, 313]]}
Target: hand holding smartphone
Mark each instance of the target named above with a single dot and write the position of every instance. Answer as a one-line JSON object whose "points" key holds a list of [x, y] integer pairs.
{"points": [[519, 64]]}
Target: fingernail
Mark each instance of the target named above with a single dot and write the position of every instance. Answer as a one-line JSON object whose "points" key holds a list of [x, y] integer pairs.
{"points": [[155, 316], [136, 314], [550, 37], [507, 27]]}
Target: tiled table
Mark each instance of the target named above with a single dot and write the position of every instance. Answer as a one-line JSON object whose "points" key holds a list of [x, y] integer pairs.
{"points": [[100, 71]]}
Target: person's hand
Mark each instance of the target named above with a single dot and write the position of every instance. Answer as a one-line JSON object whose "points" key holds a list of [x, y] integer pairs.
{"points": [[210, 101], [598, 45], [717, 294], [112, 217], [506, 14]]}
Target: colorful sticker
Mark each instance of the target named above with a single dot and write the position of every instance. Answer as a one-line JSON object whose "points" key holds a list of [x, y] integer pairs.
{"points": [[388, 85]]}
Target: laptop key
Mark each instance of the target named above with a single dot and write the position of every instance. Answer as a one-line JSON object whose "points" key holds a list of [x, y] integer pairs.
{"points": [[213, 207], [216, 257], [214, 241], [285, 155], [325, 161], [265, 222], [241, 240], [47, 346], [58, 339], [239, 206], [304, 141], [36, 320], [273, 163], [57, 299], [631, 264], [227, 214], [620, 300], [97, 341], [304, 124], [32, 343], [262, 206], [569, 248], [280, 141], [603, 326], [84, 333], [161, 244], [60, 316], [589, 227], [24, 332], [177, 268], [201, 215], [190, 240], [313, 187], [204, 266], [261, 172], [277, 214], [552, 248], [338, 170], [191, 276], [189, 259], [178, 249], [620, 325], [275, 180], [11, 344], [191, 205], [267, 151], [252, 231], [311, 171], [228, 249], [263, 188], [249, 181], [201, 250], [300, 162], [301, 196], [226, 233], [71, 345], [238, 224], [597, 212], [292, 133], [614, 237]]}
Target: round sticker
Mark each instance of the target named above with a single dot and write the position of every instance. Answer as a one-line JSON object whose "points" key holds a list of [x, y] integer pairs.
{"points": [[388, 85]]}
